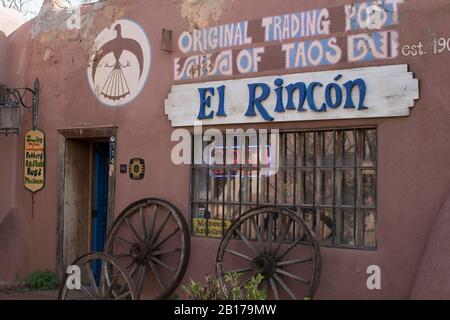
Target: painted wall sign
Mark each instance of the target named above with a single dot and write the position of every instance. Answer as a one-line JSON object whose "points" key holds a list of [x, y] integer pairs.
{"points": [[34, 160], [120, 63], [387, 91], [325, 36], [137, 169]]}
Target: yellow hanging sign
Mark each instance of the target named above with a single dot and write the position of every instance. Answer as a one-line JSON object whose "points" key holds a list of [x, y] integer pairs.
{"points": [[34, 160], [210, 228]]}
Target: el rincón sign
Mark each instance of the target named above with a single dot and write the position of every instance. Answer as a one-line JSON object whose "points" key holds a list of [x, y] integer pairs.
{"points": [[387, 91]]}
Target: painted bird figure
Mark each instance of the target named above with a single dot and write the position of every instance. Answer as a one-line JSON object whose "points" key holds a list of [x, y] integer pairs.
{"points": [[116, 85]]}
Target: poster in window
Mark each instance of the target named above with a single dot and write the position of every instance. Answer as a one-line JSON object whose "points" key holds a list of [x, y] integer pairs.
{"points": [[211, 228]]}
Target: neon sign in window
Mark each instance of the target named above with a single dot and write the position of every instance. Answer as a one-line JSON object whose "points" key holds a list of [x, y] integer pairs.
{"points": [[241, 155]]}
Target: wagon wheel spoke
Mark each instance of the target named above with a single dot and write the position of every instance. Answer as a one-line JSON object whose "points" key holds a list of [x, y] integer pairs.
{"points": [[273, 285], [153, 224], [167, 238], [87, 291], [132, 263], [266, 284], [103, 278], [270, 234], [122, 255], [124, 295], [258, 231], [122, 289], [92, 281], [141, 277], [143, 224], [134, 270], [163, 264], [247, 242], [284, 231], [291, 262], [134, 233], [293, 276], [243, 270], [289, 249], [157, 274], [112, 285], [238, 254], [160, 229], [168, 251], [285, 287], [132, 273], [123, 240], [244, 283]]}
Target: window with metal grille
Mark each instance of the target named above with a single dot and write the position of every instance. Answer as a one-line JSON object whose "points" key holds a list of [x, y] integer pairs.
{"points": [[326, 176]]}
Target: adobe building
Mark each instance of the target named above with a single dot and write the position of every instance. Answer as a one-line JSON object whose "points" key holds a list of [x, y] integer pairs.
{"points": [[357, 90]]}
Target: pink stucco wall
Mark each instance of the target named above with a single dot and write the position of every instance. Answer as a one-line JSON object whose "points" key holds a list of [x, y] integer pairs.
{"points": [[413, 152], [433, 277]]}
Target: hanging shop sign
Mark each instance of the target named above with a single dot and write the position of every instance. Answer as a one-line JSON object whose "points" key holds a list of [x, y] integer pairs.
{"points": [[34, 160], [373, 92]]}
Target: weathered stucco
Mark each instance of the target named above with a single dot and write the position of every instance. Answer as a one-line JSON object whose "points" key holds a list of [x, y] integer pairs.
{"points": [[200, 12], [50, 32]]}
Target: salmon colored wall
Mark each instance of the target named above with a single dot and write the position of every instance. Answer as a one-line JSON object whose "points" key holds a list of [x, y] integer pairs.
{"points": [[413, 159], [433, 277]]}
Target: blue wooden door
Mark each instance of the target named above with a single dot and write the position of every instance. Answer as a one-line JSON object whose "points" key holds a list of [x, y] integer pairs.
{"points": [[100, 200]]}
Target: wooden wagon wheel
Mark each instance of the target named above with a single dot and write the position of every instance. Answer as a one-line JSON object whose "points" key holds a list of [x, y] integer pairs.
{"points": [[150, 239], [113, 282], [276, 243]]}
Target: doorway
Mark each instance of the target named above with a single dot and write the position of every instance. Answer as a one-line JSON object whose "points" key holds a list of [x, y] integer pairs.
{"points": [[86, 193]]}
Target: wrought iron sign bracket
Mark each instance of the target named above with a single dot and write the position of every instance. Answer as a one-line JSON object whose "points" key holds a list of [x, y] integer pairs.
{"points": [[10, 102]]}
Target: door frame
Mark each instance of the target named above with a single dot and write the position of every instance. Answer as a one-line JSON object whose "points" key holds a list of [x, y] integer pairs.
{"points": [[84, 133]]}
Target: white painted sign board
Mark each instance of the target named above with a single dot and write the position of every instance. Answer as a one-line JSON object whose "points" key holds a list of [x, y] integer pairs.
{"points": [[385, 91]]}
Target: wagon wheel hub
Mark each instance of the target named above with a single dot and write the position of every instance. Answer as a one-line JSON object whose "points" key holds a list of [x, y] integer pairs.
{"points": [[139, 252], [264, 265]]}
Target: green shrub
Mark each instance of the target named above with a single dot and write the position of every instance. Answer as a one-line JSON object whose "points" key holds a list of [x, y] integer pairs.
{"points": [[174, 296], [227, 288], [42, 280]]}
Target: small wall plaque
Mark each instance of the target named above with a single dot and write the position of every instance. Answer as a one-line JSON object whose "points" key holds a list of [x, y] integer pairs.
{"points": [[137, 169]]}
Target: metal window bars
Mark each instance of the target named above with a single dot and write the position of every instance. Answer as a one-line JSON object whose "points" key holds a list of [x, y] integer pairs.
{"points": [[326, 176]]}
